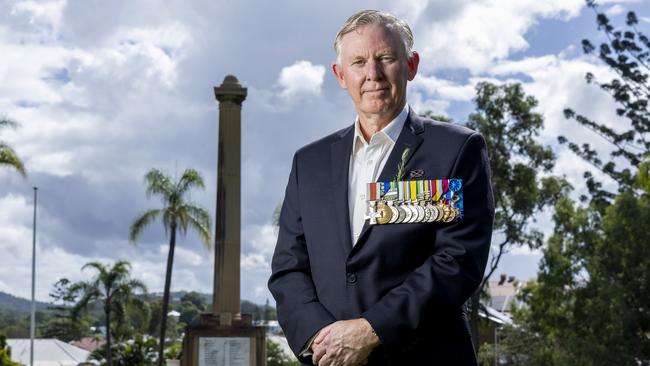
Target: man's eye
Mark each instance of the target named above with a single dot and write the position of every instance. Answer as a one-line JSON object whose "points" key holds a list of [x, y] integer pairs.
{"points": [[357, 62], [387, 59]]}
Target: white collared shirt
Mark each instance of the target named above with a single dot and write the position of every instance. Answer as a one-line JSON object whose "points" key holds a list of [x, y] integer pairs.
{"points": [[366, 163]]}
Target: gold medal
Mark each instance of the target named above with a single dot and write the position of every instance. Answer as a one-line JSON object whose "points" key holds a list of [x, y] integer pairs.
{"points": [[441, 211], [447, 212], [452, 214], [384, 213]]}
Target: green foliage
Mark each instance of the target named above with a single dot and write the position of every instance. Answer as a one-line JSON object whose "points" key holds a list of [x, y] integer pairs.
{"points": [[64, 325], [155, 316], [276, 357], [191, 306], [506, 118], [114, 290], [259, 312], [5, 353], [591, 303], [177, 214], [16, 324], [516, 346], [8, 156], [436, 117], [137, 352], [520, 166], [174, 351]]}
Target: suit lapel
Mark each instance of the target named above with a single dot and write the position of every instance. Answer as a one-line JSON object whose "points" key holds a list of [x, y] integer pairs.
{"points": [[340, 152], [409, 138]]}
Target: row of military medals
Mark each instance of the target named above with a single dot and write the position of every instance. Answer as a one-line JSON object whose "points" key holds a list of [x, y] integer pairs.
{"points": [[415, 201]]}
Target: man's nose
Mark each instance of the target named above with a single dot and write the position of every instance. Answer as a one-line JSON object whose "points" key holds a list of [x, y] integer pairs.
{"points": [[374, 70]]}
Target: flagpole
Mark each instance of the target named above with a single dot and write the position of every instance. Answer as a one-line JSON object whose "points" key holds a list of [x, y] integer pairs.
{"points": [[32, 330]]}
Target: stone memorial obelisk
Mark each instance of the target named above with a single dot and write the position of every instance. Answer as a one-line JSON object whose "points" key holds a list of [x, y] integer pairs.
{"points": [[226, 337]]}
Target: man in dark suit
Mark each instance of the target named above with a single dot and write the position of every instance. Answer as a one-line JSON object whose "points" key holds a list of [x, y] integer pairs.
{"points": [[350, 293]]}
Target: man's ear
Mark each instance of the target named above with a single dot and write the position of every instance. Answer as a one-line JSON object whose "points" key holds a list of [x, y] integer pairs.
{"points": [[337, 70], [412, 65]]}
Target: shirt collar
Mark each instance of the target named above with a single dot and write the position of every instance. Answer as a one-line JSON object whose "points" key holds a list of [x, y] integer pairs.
{"points": [[391, 131]]}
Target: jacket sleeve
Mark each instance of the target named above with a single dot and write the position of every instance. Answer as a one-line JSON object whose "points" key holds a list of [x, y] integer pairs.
{"points": [[455, 269], [300, 313]]}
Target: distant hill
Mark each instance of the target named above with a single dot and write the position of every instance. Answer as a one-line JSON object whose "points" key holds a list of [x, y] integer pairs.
{"points": [[258, 311], [16, 304], [175, 296]]}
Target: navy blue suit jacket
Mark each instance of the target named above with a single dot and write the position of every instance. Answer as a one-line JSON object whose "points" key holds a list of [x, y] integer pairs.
{"points": [[410, 281]]}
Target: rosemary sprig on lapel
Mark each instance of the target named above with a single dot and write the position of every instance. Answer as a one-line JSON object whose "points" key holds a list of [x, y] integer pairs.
{"points": [[402, 164]]}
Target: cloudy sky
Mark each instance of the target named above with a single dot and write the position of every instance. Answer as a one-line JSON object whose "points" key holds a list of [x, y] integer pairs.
{"points": [[105, 90]]}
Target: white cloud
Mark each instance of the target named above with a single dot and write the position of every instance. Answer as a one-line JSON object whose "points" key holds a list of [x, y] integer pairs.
{"points": [[183, 256], [484, 32], [42, 17], [301, 78], [47, 12], [265, 238], [558, 83], [444, 89], [615, 10], [256, 261], [422, 104]]}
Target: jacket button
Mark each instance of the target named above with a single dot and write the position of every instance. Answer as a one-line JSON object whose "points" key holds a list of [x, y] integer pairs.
{"points": [[351, 278]]}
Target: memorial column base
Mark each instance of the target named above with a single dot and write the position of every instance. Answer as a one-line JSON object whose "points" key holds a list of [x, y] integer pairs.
{"points": [[224, 339]]}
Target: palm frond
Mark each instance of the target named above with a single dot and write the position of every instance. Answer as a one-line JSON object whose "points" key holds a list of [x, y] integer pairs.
{"points": [[158, 183], [9, 157], [101, 268], [133, 284], [7, 122], [181, 218], [90, 294], [176, 213], [190, 179], [199, 220], [121, 270], [141, 222]]}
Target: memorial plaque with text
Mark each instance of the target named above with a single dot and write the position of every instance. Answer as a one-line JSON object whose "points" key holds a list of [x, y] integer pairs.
{"points": [[224, 351]]}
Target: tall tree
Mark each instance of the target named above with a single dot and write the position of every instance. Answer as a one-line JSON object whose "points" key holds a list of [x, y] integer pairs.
{"points": [[8, 156], [112, 288], [191, 306], [627, 53], [506, 118], [591, 305], [177, 215], [65, 324]]}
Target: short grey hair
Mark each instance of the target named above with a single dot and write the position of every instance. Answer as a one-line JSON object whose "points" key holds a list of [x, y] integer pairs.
{"points": [[366, 17]]}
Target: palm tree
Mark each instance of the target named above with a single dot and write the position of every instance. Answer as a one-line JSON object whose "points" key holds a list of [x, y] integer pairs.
{"points": [[177, 214], [7, 154], [112, 287]]}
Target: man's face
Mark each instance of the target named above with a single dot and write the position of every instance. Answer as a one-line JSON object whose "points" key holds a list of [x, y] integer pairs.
{"points": [[374, 69]]}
